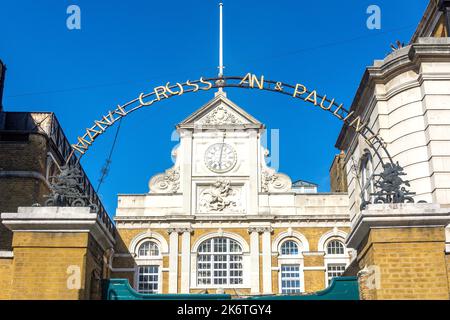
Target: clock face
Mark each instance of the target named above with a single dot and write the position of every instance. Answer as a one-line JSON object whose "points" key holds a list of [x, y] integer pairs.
{"points": [[220, 157]]}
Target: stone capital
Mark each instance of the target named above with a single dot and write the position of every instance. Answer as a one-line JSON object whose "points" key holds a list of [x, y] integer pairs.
{"points": [[180, 230], [260, 230]]}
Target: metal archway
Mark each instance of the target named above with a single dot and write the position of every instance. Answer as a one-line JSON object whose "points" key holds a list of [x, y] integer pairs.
{"points": [[389, 185]]}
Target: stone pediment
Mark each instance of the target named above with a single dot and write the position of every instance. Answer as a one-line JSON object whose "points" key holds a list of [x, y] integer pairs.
{"points": [[220, 112]]}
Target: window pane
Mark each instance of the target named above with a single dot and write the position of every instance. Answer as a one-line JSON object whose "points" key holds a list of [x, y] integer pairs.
{"points": [[148, 279], [219, 262], [289, 248], [334, 270], [290, 278], [148, 248], [335, 247]]}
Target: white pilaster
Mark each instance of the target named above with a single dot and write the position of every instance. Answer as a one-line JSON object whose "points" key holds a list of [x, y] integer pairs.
{"points": [[186, 172], [186, 260], [173, 261], [267, 261], [254, 260]]}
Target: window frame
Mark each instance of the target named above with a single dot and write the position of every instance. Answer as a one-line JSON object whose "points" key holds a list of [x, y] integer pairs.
{"points": [[283, 242], [328, 279], [300, 277], [142, 261], [335, 254], [159, 274], [212, 253], [333, 259], [152, 242], [366, 172]]}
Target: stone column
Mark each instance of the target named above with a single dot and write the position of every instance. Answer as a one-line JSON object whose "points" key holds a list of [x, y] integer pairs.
{"points": [[254, 260], [186, 260], [267, 260], [173, 260], [401, 251]]}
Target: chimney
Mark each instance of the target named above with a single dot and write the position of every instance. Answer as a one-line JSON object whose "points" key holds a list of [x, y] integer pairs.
{"points": [[2, 83]]}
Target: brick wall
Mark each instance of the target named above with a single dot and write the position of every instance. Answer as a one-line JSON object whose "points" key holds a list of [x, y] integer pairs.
{"points": [[6, 268], [41, 262], [314, 279], [338, 175], [411, 263], [27, 156]]}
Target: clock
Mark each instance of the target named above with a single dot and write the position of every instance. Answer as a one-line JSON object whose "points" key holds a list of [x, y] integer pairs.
{"points": [[220, 157]]}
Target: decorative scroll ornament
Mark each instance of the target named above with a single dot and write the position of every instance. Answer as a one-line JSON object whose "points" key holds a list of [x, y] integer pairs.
{"points": [[390, 186], [219, 116], [274, 182], [168, 182], [67, 189], [219, 197]]}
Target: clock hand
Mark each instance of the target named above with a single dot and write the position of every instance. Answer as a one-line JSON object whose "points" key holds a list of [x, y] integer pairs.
{"points": [[221, 151]]}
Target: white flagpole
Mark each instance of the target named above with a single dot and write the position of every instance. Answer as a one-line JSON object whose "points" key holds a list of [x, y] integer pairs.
{"points": [[221, 43]]}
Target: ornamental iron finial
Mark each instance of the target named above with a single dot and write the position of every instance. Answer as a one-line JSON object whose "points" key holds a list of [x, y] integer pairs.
{"points": [[67, 189], [390, 186]]}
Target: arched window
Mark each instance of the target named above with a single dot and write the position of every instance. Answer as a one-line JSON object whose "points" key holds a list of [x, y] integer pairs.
{"points": [[335, 265], [366, 176], [289, 248], [148, 249], [290, 267], [219, 262], [335, 247]]}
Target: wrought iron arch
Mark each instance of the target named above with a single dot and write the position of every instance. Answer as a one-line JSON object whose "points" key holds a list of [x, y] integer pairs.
{"points": [[389, 184]]}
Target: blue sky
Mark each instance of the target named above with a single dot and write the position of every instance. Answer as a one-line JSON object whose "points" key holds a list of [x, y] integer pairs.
{"points": [[126, 47]]}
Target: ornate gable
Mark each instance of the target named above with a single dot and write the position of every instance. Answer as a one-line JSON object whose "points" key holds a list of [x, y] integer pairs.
{"points": [[220, 111]]}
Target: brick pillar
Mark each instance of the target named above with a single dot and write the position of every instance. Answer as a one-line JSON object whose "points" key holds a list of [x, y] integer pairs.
{"points": [[401, 251], [57, 252]]}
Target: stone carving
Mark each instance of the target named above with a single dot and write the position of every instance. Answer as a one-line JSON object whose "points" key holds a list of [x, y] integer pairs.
{"points": [[220, 115], [274, 182], [219, 197], [67, 189], [168, 182]]}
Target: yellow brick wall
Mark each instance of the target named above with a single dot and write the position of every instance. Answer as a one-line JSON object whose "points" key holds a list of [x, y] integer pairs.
{"points": [[313, 260], [41, 261], [411, 262], [6, 272], [314, 280], [447, 260], [275, 275]]}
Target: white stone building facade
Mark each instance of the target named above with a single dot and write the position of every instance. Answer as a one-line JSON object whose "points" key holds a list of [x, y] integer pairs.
{"points": [[221, 220]]}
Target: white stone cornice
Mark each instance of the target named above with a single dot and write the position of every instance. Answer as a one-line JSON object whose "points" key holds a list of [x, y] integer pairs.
{"points": [[6, 254], [399, 215], [59, 219], [408, 58]]}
